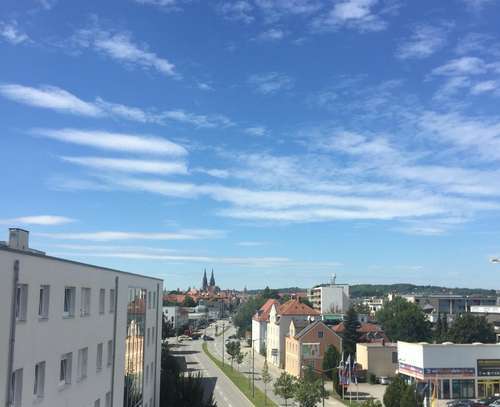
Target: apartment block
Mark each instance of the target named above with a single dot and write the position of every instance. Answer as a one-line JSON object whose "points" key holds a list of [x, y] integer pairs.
{"points": [[330, 298], [75, 334]]}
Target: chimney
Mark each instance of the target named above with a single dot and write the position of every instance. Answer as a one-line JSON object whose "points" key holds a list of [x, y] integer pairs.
{"points": [[18, 239]]}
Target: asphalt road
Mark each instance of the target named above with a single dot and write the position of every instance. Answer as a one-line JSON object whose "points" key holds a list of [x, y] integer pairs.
{"points": [[224, 391]]}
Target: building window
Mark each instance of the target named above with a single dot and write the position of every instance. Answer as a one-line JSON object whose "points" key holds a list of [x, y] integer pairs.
{"points": [[149, 299], [65, 369], [98, 362], [39, 385], [21, 302], [147, 375], [97, 403], [148, 333], [83, 355], [85, 302], [111, 301], [43, 302], [445, 385], [16, 388], [394, 357], [102, 300], [320, 334], [463, 389], [108, 399], [154, 300], [110, 352], [153, 335], [69, 301]]}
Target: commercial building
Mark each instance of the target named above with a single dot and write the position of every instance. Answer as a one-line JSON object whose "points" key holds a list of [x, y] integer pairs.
{"points": [[259, 325], [176, 315], [279, 325], [75, 334], [330, 298], [457, 371], [305, 345], [380, 358], [450, 305]]}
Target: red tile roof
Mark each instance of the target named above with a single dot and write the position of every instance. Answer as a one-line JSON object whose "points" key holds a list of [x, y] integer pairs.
{"points": [[295, 307], [363, 328], [263, 313]]}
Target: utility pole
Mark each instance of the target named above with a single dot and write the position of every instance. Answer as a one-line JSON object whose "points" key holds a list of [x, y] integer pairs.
{"points": [[223, 345], [253, 371]]}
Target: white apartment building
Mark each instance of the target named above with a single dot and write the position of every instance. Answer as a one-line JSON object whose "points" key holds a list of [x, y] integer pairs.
{"points": [[176, 315], [74, 334], [330, 298]]}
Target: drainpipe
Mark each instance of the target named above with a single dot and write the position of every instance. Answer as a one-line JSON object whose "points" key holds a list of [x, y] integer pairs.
{"points": [[12, 332], [114, 343]]}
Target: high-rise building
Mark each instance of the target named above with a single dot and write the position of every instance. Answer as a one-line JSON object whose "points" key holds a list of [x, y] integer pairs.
{"points": [[330, 298], [75, 334]]}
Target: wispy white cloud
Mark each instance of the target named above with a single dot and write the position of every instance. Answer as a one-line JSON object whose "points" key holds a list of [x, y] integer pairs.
{"points": [[11, 33], [205, 86], [477, 5], [54, 98], [47, 4], [462, 66], [239, 10], [104, 236], [251, 244], [485, 86], [50, 97], [276, 9], [114, 141], [357, 14], [130, 165], [256, 131], [44, 220], [270, 83], [424, 41], [272, 34], [120, 47]]}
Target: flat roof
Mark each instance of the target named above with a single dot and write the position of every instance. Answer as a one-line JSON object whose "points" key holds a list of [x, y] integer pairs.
{"points": [[78, 263]]}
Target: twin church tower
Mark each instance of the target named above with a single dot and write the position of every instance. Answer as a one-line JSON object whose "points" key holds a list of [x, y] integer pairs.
{"points": [[205, 285]]}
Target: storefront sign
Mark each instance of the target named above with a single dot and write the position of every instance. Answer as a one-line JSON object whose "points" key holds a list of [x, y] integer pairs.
{"points": [[488, 367], [430, 373]]}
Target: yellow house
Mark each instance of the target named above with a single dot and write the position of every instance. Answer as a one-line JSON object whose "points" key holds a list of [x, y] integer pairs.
{"points": [[380, 358]]}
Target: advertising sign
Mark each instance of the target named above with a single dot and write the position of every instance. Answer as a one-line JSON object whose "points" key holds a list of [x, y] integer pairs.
{"points": [[488, 367]]}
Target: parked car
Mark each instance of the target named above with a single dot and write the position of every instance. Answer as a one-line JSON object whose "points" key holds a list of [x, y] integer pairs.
{"points": [[495, 403], [461, 403], [184, 338], [207, 338], [384, 380]]}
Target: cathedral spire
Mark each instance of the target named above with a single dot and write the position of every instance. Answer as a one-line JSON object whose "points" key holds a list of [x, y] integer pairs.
{"points": [[204, 283], [212, 279]]}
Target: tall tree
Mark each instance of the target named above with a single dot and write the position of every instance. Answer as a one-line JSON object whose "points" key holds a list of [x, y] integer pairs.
{"points": [[350, 335], [404, 321], [331, 362], [266, 379], [468, 328], [188, 302], [284, 386], [308, 392], [394, 392], [233, 349]]}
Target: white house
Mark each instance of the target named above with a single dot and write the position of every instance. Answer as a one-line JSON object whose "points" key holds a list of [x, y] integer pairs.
{"points": [[279, 325], [330, 298], [74, 334], [259, 325]]}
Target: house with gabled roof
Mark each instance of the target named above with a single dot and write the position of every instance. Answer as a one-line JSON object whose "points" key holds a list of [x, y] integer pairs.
{"points": [[278, 327], [259, 325]]}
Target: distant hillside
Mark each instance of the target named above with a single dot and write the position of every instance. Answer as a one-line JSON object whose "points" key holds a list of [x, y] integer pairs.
{"points": [[380, 290]]}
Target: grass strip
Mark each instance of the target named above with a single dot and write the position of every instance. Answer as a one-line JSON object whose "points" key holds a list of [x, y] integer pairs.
{"points": [[241, 381]]}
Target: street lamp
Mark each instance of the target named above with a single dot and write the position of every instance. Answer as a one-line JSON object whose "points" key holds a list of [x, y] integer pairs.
{"points": [[322, 372]]}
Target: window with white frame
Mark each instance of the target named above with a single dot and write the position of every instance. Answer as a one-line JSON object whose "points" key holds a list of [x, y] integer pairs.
{"points": [[98, 362], [21, 302], [69, 301], [108, 399], [111, 301], [83, 355], [85, 302], [110, 352], [16, 388], [65, 369], [102, 300], [43, 302], [39, 385]]}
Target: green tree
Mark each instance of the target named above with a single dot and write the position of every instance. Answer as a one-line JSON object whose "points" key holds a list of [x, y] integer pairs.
{"points": [[239, 359], [371, 403], [266, 379], [306, 301], [331, 361], [284, 386], [308, 392], [404, 321], [410, 398], [350, 335], [188, 302], [394, 392], [468, 328], [243, 317], [233, 349], [267, 293]]}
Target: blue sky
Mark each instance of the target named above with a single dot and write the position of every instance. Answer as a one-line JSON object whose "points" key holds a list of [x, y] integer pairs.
{"points": [[276, 141]]}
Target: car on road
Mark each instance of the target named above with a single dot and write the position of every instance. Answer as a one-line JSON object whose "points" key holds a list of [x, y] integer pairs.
{"points": [[184, 338], [384, 380], [207, 338], [461, 403]]}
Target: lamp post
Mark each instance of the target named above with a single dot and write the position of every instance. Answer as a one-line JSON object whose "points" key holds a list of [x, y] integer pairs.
{"points": [[253, 367], [223, 345], [322, 372]]}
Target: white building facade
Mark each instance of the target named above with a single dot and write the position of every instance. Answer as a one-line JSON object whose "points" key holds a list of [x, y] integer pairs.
{"points": [[74, 334], [456, 371], [331, 298]]}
